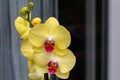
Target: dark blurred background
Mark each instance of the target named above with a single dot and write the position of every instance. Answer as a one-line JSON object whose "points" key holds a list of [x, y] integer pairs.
{"points": [[72, 14]]}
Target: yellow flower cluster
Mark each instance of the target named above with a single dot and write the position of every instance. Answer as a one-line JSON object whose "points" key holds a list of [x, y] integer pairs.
{"points": [[45, 45]]}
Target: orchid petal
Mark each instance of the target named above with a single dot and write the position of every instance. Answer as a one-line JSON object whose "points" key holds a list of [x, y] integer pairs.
{"points": [[62, 75], [60, 52], [38, 73], [38, 49], [21, 25], [52, 22], [62, 37], [30, 65], [66, 62], [42, 58], [38, 35], [25, 35], [27, 50]]}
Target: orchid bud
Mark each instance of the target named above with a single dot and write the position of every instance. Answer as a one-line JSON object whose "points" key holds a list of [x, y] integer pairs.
{"points": [[24, 11], [30, 6], [36, 21]]}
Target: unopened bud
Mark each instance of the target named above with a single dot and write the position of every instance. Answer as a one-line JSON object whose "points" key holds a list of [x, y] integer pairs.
{"points": [[36, 21], [23, 11], [31, 5]]}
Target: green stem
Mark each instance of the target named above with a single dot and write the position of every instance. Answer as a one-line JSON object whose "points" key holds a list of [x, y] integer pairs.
{"points": [[28, 18], [28, 13]]}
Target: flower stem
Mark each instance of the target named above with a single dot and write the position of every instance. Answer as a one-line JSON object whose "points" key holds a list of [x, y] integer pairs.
{"points": [[46, 76], [53, 77], [29, 17]]}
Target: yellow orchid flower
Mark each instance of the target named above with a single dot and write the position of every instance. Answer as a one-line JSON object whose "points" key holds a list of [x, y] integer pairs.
{"points": [[58, 65], [22, 26], [45, 47], [50, 37]]}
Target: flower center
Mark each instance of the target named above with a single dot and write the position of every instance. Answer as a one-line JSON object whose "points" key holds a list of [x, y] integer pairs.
{"points": [[52, 67], [49, 45]]}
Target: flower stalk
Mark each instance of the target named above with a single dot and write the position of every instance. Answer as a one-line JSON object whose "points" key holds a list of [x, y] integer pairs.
{"points": [[46, 76], [53, 77]]}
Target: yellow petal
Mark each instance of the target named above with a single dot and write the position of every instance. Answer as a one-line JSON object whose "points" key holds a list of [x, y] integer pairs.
{"points": [[38, 35], [38, 49], [60, 52], [21, 25], [52, 21], [27, 50], [30, 65], [66, 62], [25, 35], [42, 58], [62, 37], [38, 74], [62, 75]]}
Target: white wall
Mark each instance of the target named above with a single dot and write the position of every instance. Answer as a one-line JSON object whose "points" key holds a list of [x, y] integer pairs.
{"points": [[114, 40]]}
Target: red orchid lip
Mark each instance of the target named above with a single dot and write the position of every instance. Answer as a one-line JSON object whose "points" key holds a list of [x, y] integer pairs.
{"points": [[49, 45], [52, 67]]}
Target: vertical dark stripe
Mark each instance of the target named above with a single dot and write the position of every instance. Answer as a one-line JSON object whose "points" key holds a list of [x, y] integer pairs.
{"points": [[55, 8], [90, 39], [1, 43], [104, 57], [41, 8]]}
